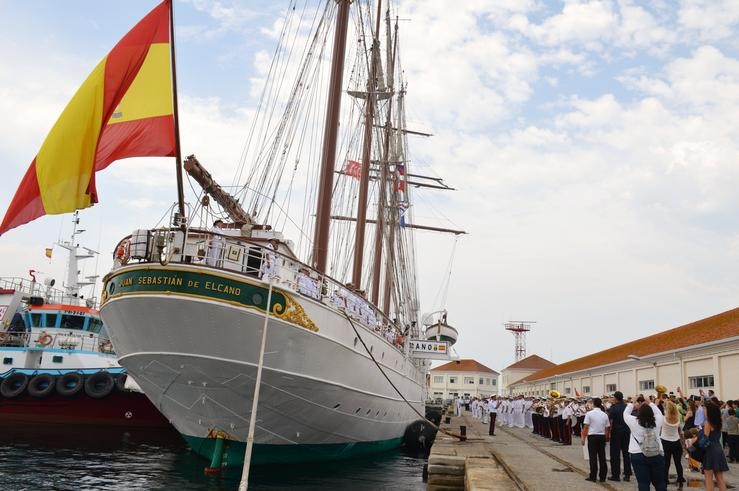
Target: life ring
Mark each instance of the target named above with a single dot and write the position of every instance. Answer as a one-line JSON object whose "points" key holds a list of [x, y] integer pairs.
{"points": [[106, 346], [44, 340], [41, 385], [70, 384], [4, 336], [399, 340], [123, 252], [14, 385], [99, 385]]}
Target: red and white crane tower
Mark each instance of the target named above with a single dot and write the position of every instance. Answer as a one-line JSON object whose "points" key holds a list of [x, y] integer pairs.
{"points": [[519, 330]]}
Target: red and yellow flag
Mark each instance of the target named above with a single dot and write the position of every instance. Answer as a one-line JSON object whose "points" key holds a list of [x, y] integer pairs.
{"points": [[123, 109]]}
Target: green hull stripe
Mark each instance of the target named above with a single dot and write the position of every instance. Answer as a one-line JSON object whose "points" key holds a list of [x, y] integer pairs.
{"points": [[192, 283], [273, 454]]}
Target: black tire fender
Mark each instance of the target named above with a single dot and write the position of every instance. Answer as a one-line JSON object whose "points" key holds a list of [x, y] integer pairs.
{"points": [[14, 385], [99, 385], [41, 385], [70, 384], [120, 381]]}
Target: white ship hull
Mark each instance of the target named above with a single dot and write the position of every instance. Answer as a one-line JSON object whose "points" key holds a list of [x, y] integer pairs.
{"points": [[196, 354]]}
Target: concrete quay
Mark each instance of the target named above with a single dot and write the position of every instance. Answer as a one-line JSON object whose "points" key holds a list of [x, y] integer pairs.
{"points": [[515, 458]]}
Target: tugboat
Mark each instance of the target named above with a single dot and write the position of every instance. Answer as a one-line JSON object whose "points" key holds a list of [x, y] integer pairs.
{"points": [[58, 364]]}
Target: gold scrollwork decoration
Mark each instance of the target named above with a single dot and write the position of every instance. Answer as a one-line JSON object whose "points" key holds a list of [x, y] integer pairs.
{"points": [[293, 312]]}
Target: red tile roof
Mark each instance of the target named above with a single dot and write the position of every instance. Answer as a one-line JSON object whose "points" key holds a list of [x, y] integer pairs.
{"points": [[532, 361], [717, 327], [463, 366]]}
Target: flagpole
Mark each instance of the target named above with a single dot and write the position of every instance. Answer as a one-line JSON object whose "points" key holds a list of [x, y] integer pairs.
{"points": [[244, 483], [176, 114]]}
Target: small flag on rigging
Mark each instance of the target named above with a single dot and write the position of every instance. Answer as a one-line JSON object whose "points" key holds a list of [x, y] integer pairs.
{"points": [[399, 178], [402, 208], [353, 168]]}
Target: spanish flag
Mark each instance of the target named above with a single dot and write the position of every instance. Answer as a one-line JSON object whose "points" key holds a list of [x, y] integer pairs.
{"points": [[123, 109]]}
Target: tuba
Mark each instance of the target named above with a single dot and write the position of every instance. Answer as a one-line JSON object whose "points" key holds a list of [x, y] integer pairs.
{"points": [[554, 394], [661, 389]]}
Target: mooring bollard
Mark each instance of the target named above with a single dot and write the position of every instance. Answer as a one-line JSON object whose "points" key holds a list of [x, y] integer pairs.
{"points": [[463, 433]]}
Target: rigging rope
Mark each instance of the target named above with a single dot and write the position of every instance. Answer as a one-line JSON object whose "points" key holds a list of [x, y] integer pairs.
{"points": [[422, 416]]}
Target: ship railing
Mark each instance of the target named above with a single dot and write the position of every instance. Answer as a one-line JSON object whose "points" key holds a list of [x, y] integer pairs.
{"points": [[57, 340], [253, 257], [32, 288]]}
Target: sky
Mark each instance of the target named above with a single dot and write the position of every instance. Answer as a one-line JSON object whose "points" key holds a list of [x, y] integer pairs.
{"points": [[593, 146]]}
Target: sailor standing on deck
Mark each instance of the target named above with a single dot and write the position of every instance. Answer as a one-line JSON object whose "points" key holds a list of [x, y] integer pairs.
{"points": [[567, 414], [528, 404], [493, 410], [216, 244], [520, 410], [269, 263]]}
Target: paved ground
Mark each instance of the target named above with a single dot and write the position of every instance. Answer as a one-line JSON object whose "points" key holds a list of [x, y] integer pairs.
{"points": [[540, 464]]}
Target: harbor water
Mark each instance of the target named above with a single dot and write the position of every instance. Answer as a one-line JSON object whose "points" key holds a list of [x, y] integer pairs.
{"points": [[54, 458]]}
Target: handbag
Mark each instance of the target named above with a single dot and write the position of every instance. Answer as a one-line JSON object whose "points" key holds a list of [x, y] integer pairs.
{"points": [[697, 450], [702, 441]]}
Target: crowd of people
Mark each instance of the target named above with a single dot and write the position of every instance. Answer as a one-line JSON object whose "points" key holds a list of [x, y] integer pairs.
{"points": [[646, 435]]}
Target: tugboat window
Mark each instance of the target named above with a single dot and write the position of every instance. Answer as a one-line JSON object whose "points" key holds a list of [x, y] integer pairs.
{"points": [[72, 322], [50, 320], [95, 325], [36, 320], [7, 361], [57, 359]]}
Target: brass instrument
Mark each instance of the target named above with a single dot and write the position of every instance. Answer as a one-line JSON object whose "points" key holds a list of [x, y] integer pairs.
{"points": [[554, 394]]}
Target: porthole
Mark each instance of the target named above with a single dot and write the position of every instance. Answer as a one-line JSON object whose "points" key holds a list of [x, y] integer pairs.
{"points": [[257, 299], [369, 411], [337, 406], [383, 356], [372, 349], [355, 342], [358, 409]]}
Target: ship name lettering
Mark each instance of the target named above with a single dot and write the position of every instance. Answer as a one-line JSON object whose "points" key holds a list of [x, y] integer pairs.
{"points": [[127, 282], [160, 280], [220, 287]]}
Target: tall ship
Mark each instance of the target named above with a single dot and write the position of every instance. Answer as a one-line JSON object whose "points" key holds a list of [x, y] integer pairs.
{"points": [[273, 319]]}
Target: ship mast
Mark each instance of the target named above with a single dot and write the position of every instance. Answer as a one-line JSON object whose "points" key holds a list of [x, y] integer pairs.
{"points": [[330, 132], [364, 177], [381, 205]]}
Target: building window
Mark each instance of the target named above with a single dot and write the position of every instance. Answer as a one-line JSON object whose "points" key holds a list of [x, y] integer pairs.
{"points": [[482, 381], [438, 379], [700, 382], [586, 389], [646, 384], [452, 380], [611, 387], [567, 390], [469, 380], [495, 382], [553, 386]]}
